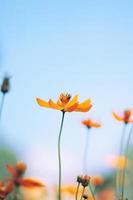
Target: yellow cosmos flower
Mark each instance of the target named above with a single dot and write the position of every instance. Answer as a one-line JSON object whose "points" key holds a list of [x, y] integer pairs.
{"points": [[66, 104]]}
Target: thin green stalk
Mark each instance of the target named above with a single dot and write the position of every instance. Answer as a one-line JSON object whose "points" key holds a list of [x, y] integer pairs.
{"points": [[122, 139], [77, 191], [126, 155], [92, 193], [85, 168], [59, 156], [119, 174], [82, 193], [1, 104]]}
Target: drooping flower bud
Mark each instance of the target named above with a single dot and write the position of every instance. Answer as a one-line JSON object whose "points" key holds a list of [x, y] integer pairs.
{"points": [[5, 87]]}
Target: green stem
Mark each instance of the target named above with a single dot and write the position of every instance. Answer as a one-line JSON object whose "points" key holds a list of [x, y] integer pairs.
{"points": [[119, 173], [85, 168], [77, 191], [122, 139], [82, 193], [1, 105], [126, 155], [59, 155], [92, 193]]}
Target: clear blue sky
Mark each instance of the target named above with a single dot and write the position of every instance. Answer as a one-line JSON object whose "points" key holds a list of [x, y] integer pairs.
{"points": [[82, 47]]}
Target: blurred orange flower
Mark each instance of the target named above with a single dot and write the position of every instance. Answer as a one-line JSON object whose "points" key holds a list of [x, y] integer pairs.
{"points": [[126, 118], [70, 189], [97, 180], [30, 182], [66, 104], [90, 124], [17, 172], [5, 189]]}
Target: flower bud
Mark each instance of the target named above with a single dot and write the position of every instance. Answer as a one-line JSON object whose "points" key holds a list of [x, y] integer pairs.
{"points": [[5, 85], [20, 168]]}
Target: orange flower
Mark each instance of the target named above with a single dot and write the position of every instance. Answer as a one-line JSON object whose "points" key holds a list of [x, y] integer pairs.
{"points": [[125, 118], [97, 180], [17, 171], [90, 124], [70, 189], [66, 104], [5, 189], [30, 182]]}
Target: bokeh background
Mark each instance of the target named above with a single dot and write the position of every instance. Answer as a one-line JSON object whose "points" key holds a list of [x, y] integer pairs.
{"points": [[81, 47]]}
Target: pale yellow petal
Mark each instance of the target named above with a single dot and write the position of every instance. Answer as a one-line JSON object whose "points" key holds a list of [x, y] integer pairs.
{"points": [[54, 105], [116, 116], [42, 103]]}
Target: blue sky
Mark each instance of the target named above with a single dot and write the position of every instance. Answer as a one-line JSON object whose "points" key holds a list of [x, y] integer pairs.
{"points": [[81, 47]]}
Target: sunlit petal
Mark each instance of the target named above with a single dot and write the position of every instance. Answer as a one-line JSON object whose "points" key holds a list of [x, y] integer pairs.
{"points": [[72, 108], [116, 116], [42, 103], [84, 107], [54, 105], [72, 102]]}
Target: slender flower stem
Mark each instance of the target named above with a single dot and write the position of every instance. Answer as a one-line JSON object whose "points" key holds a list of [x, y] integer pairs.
{"points": [[82, 193], [1, 104], [118, 174], [122, 139], [77, 190], [59, 155], [85, 168], [92, 193], [126, 155]]}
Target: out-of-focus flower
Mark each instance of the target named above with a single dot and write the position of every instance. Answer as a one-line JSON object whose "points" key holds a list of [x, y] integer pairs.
{"points": [[90, 124], [5, 87], [5, 189], [97, 180], [33, 193], [20, 168], [106, 194], [117, 162], [66, 104], [30, 182], [68, 189], [17, 172], [126, 118]]}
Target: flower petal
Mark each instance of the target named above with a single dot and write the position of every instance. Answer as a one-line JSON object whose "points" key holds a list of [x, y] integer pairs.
{"points": [[116, 116], [42, 103], [11, 170], [130, 121], [84, 106], [72, 108], [72, 102], [27, 182], [54, 105]]}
